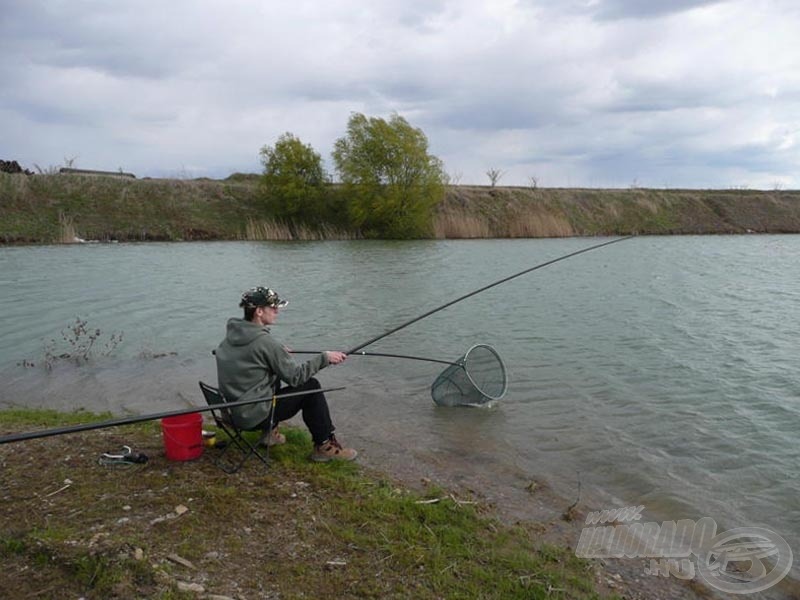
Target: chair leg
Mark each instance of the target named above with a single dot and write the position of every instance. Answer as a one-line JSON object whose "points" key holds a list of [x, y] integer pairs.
{"points": [[227, 466], [245, 447]]}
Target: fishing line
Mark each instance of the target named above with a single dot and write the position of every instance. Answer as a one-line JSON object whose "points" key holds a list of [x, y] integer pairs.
{"points": [[18, 437]]}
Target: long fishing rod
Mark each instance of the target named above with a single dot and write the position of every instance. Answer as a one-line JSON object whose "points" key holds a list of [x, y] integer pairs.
{"points": [[18, 437], [483, 289], [383, 354]]}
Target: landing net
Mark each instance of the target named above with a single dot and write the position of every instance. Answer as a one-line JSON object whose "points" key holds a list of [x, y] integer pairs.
{"points": [[476, 379]]}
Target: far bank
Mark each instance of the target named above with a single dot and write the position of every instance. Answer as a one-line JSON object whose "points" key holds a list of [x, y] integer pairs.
{"points": [[60, 208]]}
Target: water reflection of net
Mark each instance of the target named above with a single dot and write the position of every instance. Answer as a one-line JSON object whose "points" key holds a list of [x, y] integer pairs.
{"points": [[477, 378]]}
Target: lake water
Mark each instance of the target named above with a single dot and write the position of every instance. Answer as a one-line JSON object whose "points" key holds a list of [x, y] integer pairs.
{"points": [[660, 371]]}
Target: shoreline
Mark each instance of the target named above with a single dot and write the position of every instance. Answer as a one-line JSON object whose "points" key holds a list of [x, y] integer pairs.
{"points": [[559, 520], [74, 466], [112, 242]]}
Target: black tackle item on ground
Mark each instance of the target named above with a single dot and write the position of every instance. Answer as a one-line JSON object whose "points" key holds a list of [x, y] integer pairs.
{"points": [[476, 379], [222, 418], [126, 457]]}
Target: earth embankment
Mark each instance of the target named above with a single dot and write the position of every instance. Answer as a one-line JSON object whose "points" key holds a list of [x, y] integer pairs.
{"points": [[56, 208]]}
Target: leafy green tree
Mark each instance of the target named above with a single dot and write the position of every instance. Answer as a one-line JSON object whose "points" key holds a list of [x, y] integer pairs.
{"points": [[391, 181], [293, 180]]}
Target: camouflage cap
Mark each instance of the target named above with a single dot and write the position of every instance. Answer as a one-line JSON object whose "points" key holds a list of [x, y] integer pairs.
{"points": [[261, 296]]}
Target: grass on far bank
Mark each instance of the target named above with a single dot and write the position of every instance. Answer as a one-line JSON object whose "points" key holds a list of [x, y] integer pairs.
{"points": [[34, 209], [72, 527], [57, 208]]}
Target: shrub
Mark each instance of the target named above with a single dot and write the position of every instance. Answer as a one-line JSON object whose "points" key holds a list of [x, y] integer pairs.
{"points": [[293, 181], [391, 181]]}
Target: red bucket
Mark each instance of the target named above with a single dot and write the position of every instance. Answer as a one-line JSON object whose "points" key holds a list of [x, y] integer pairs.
{"points": [[183, 436]]}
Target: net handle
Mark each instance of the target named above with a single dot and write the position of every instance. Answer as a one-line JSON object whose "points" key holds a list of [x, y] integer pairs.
{"points": [[382, 354]]}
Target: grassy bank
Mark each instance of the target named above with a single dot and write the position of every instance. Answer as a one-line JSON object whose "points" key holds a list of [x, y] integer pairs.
{"points": [[33, 209], [72, 527], [525, 212], [58, 208]]}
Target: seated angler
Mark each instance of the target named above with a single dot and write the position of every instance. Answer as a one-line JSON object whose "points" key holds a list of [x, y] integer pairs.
{"points": [[252, 364]]}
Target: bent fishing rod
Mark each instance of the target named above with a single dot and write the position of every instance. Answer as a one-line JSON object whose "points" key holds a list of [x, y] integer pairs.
{"points": [[18, 437], [483, 289], [356, 349]]}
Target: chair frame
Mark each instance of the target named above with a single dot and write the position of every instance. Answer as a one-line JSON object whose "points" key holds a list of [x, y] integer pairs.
{"points": [[223, 421]]}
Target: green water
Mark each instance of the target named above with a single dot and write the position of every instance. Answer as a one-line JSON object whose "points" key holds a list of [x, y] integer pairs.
{"points": [[657, 371]]}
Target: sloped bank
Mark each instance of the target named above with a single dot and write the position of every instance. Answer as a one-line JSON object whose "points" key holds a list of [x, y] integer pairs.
{"points": [[43, 209], [557, 212]]}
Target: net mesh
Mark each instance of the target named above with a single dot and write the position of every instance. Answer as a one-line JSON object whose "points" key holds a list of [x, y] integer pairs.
{"points": [[477, 378]]}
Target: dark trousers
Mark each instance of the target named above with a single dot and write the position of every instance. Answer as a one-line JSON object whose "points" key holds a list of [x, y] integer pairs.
{"points": [[316, 415]]}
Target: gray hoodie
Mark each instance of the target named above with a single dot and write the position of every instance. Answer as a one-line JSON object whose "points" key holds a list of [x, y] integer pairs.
{"points": [[249, 364]]}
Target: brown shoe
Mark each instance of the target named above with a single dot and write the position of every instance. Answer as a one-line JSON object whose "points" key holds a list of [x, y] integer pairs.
{"points": [[332, 450]]}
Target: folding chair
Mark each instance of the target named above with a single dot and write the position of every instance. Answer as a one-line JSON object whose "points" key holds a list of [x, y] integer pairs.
{"points": [[224, 420]]}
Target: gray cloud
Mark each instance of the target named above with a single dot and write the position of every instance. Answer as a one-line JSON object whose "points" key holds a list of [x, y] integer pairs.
{"points": [[644, 9], [109, 38], [577, 93]]}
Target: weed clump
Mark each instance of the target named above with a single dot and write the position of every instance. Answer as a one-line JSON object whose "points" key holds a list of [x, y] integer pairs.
{"points": [[78, 344]]}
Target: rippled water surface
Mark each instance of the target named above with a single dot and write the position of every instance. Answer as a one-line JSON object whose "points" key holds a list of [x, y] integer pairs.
{"points": [[657, 371]]}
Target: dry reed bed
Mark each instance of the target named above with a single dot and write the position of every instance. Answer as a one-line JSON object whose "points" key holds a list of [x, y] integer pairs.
{"points": [[67, 231], [527, 223], [267, 230]]}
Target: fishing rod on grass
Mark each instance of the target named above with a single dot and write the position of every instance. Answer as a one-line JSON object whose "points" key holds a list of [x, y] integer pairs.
{"points": [[479, 376], [18, 437]]}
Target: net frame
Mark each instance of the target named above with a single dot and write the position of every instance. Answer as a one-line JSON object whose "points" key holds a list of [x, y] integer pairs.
{"points": [[455, 386]]}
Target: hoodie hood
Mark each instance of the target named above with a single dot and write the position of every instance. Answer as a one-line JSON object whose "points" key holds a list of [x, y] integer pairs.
{"points": [[241, 332]]}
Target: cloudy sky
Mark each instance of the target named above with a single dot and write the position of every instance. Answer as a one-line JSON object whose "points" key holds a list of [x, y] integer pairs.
{"points": [[595, 93]]}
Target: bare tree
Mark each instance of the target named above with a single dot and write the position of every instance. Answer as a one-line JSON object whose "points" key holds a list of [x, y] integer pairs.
{"points": [[494, 176], [534, 181], [455, 178]]}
